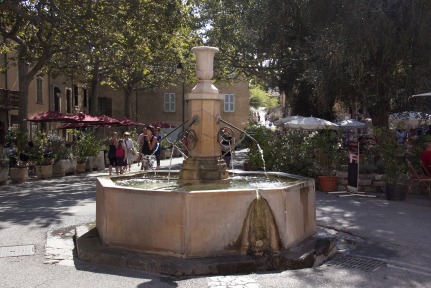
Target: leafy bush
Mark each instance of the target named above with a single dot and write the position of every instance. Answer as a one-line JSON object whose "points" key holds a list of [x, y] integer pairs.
{"points": [[296, 152], [392, 157], [87, 145], [292, 153], [59, 149], [263, 137], [41, 151]]}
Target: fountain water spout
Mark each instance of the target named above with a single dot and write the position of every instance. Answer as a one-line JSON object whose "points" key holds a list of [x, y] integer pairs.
{"points": [[218, 120]]}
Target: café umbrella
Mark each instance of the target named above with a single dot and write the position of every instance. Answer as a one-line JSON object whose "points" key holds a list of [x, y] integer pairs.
{"points": [[311, 123], [281, 121], [351, 124], [51, 116], [409, 119]]}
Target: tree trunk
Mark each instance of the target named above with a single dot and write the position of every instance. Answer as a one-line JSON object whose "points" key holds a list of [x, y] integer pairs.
{"points": [[23, 95], [94, 107], [380, 120], [128, 102]]}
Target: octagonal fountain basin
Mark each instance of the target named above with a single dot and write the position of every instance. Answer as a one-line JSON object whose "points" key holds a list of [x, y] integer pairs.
{"points": [[250, 213]]}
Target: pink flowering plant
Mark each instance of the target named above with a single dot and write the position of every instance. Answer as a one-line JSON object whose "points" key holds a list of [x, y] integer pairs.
{"points": [[41, 151], [23, 164]]}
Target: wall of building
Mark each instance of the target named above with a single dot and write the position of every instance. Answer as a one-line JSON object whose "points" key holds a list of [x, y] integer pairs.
{"points": [[150, 105]]}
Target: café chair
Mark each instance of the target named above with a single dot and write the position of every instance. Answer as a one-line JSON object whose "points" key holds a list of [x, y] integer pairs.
{"points": [[421, 178]]}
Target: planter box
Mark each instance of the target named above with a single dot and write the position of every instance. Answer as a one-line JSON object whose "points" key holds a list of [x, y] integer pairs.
{"points": [[63, 167], [44, 172], [81, 167], [18, 175], [396, 192], [96, 163], [4, 175], [327, 183]]}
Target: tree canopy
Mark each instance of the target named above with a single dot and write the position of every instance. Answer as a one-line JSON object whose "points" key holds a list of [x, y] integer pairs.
{"points": [[361, 53], [126, 43]]}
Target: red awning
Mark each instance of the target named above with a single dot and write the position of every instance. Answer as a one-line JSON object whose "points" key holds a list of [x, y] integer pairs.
{"points": [[128, 122], [51, 116], [77, 125], [82, 117], [106, 120]]}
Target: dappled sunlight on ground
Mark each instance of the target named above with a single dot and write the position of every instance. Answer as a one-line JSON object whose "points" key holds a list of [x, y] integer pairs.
{"points": [[54, 200]]}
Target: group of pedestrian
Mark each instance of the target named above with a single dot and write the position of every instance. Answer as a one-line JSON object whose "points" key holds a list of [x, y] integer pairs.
{"points": [[122, 152]]}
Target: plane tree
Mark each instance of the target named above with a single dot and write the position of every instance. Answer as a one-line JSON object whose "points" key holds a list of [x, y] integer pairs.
{"points": [[149, 39], [366, 53], [35, 31]]}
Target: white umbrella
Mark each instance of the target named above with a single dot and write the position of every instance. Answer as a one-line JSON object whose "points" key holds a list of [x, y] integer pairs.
{"points": [[422, 95], [351, 124], [281, 121], [409, 119], [310, 123]]}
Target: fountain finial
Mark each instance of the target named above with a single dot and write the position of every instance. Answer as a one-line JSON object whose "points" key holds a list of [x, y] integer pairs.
{"points": [[204, 61]]}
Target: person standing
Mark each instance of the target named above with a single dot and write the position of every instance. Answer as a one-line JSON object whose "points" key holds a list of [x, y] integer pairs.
{"points": [[129, 150], [140, 141], [121, 156], [149, 142], [112, 156], [159, 147]]}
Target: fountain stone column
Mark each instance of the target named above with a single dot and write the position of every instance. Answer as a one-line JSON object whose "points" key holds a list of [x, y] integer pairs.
{"points": [[204, 163]]}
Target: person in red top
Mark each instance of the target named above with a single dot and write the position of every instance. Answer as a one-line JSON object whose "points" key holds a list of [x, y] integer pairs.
{"points": [[426, 157]]}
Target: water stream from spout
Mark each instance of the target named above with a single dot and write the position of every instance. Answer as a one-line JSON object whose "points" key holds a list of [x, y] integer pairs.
{"points": [[261, 155]]}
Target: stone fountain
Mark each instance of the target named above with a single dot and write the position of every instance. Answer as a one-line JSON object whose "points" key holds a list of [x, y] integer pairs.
{"points": [[196, 224]]}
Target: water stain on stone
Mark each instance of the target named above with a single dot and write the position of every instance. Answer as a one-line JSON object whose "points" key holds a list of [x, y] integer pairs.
{"points": [[259, 233]]}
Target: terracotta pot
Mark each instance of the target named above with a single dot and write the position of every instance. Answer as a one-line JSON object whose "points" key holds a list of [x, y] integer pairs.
{"points": [[328, 183], [18, 175], [81, 167], [44, 172]]}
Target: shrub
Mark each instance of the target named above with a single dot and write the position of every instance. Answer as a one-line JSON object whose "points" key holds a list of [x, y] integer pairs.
{"points": [[87, 145]]}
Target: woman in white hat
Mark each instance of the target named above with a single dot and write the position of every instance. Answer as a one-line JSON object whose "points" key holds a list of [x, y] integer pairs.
{"points": [[129, 150]]}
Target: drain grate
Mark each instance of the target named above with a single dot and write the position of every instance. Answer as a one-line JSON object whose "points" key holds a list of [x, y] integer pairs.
{"points": [[350, 261], [14, 251]]}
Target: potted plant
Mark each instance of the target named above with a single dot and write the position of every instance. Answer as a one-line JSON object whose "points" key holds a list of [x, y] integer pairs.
{"points": [[18, 155], [64, 160], [40, 154], [4, 166], [19, 172], [392, 158], [328, 158], [86, 147], [166, 149]]}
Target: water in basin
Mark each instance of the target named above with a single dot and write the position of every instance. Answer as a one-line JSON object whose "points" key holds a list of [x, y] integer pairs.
{"points": [[159, 182]]}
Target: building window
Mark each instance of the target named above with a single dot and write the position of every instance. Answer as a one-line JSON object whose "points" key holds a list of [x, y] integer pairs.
{"points": [[169, 102], [229, 101], [57, 99], [39, 86], [105, 106], [68, 100], [75, 96], [84, 92]]}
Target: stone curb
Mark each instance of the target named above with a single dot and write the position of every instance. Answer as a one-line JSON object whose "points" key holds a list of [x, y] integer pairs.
{"points": [[310, 253]]}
